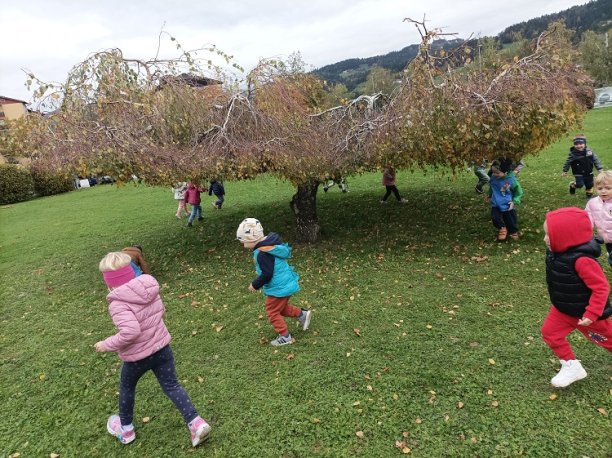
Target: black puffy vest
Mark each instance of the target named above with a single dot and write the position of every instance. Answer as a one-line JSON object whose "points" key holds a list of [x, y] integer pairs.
{"points": [[567, 291]]}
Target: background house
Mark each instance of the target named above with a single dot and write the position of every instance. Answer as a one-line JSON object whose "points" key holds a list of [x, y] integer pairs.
{"points": [[11, 109]]}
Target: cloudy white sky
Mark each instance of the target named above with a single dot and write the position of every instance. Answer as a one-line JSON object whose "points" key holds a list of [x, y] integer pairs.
{"points": [[48, 37]]}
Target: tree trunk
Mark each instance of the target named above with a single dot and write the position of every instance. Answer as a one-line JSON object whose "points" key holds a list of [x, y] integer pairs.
{"points": [[304, 207]]}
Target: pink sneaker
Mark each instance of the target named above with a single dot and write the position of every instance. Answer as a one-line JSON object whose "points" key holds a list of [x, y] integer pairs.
{"points": [[199, 430], [113, 425]]}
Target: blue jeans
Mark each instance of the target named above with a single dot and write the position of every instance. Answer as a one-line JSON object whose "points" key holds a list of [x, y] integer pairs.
{"points": [[196, 212], [505, 219], [220, 200], [162, 365], [584, 180]]}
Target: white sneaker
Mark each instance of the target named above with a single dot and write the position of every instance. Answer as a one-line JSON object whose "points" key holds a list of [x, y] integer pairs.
{"points": [[571, 371]]}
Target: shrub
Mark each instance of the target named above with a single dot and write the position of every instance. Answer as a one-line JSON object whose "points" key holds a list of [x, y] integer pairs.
{"points": [[47, 183], [16, 184]]}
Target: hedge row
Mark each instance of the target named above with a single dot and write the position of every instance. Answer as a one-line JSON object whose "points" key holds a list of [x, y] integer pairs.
{"points": [[18, 183]]}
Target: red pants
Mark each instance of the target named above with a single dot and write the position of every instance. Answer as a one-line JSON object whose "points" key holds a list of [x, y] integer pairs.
{"points": [[557, 326], [276, 309]]}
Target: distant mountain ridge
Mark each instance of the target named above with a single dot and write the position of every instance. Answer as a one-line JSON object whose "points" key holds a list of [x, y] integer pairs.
{"points": [[594, 15]]}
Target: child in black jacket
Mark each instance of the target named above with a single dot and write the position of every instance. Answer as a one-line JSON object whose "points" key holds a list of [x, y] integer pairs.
{"points": [[216, 188], [581, 159]]}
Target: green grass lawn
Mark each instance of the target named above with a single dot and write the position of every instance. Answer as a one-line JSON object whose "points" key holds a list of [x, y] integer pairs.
{"points": [[425, 330]]}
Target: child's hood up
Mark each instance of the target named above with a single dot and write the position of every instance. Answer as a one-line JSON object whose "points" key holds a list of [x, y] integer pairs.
{"points": [[568, 227], [274, 245], [140, 290]]}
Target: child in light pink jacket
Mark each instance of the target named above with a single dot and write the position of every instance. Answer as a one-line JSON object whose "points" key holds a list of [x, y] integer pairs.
{"points": [[599, 209], [143, 343]]}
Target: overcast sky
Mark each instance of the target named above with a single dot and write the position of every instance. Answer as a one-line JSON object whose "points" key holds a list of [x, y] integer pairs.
{"points": [[48, 37]]}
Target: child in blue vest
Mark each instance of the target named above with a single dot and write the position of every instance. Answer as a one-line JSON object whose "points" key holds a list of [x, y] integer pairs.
{"points": [[505, 194], [277, 278]]}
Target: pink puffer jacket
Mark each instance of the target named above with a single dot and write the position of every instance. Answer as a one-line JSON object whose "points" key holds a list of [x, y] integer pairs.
{"points": [[137, 311], [600, 213]]}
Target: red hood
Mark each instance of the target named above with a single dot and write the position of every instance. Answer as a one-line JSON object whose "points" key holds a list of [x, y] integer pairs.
{"points": [[568, 227]]}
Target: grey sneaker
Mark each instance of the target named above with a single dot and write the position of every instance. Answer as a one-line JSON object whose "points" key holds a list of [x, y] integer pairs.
{"points": [[305, 318], [282, 340]]}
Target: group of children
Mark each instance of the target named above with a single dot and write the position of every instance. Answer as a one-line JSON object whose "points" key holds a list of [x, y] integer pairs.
{"points": [[577, 286], [505, 191], [189, 194]]}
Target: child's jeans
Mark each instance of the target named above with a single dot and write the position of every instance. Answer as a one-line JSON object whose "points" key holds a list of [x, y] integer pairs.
{"points": [[162, 365], [196, 212], [609, 250], [557, 326], [481, 172], [391, 189], [506, 219], [220, 200], [277, 308], [584, 180]]}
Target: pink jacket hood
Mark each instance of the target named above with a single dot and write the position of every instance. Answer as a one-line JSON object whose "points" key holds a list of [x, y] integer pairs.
{"points": [[137, 311]]}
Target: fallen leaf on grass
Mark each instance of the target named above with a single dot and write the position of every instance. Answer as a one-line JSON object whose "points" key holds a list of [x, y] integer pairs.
{"points": [[200, 379], [603, 411], [316, 421], [491, 361], [290, 356], [429, 326], [218, 328], [460, 405], [357, 331], [182, 296], [418, 421], [360, 434], [193, 333], [495, 403], [146, 419], [54, 455], [357, 403], [473, 440], [552, 397]]}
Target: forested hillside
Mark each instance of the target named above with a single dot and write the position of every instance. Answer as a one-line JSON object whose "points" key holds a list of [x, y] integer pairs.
{"points": [[596, 16], [352, 73]]}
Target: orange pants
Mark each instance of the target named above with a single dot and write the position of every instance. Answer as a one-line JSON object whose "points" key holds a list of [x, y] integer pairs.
{"points": [[276, 309]]}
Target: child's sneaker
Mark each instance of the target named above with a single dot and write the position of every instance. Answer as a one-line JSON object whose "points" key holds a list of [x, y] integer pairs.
{"points": [[571, 371], [478, 189], [282, 340], [572, 188], [304, 319], [199, 429], [113, 425], [383, 201], [514, 236], [502, 234], [403, 201]]}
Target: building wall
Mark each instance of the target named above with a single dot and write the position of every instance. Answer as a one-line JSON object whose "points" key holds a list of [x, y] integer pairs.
{"points": [[13, 110]]}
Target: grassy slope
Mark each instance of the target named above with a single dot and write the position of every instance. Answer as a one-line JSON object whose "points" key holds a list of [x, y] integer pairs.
{"points": [[429, 317]]}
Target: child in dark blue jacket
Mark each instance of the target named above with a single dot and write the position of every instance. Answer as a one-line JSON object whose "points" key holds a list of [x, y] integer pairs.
{"points": [[216, 188], [274, 274]]}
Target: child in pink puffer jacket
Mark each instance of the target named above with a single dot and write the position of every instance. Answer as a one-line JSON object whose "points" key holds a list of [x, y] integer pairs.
{"points": [[143, 343], [599, 209]]}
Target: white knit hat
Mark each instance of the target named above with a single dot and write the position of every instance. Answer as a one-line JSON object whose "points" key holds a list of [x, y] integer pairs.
{"points": [[250, 230]]}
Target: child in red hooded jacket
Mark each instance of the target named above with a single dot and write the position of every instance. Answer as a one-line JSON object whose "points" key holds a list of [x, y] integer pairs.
{"points": [[578, 289]]}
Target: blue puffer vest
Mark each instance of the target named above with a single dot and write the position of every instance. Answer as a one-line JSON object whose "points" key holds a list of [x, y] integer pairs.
{"points": [[284, 281]]}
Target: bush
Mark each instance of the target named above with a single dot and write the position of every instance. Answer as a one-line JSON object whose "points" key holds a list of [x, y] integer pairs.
{"points": [[16, 184], [47, 183]]}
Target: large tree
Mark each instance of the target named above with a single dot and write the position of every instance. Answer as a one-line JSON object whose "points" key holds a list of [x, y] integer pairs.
{"points": [[122, 116]]}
